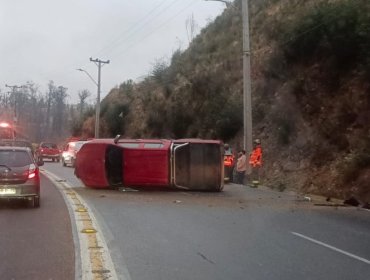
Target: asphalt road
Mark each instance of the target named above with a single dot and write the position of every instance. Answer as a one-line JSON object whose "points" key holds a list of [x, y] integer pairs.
{"points": [[240, 233], [37, 243]]}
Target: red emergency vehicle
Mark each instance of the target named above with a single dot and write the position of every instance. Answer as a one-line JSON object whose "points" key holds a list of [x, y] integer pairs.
{"points": [[6, 131]]}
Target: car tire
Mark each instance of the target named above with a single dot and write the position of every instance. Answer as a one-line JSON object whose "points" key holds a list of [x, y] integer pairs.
{"points": [[58, 159], [64, 163], [34, 202], [72, 162], [53, 159]]}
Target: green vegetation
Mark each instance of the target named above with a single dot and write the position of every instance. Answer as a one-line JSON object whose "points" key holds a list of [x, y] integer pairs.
{"points": [[338, 32]]}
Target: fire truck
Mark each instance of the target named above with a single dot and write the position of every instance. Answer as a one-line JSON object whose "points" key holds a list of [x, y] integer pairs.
{"points": [[6, 131], [8, 137]]}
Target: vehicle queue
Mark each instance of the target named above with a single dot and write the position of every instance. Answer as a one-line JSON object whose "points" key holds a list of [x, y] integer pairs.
{"points": [[185, 164]]}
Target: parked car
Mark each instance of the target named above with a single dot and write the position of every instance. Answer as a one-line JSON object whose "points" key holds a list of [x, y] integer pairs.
{"points": [[70, 151], [49, 150], [19, 174]]}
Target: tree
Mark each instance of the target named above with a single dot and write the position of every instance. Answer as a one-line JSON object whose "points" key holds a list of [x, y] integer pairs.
{"points": [[83, 95], [60, 96], [191, 27]]}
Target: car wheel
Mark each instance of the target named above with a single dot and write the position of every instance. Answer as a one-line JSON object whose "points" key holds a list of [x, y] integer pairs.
{"points": [[53, 159], [64, 163], [58, 159], [72, 162], [34, 202]]}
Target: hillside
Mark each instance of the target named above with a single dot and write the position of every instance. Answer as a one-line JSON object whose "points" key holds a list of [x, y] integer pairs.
{"points": [[310, 91]]}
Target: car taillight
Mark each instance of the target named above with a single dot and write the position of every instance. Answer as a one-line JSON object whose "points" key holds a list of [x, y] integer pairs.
{"points": [[32, 171]]}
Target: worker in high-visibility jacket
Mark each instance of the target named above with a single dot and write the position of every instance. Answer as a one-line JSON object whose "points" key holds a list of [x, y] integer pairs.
{"points": [[228, 163], [255, 160]]}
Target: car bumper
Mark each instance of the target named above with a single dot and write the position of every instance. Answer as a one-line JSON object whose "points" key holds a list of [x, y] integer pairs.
{"points": [[19, 191], [68, 160], [50, 156]]}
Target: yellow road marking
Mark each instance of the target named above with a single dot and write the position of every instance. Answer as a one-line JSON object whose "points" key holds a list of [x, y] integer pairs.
{"points": [[95, 251]]}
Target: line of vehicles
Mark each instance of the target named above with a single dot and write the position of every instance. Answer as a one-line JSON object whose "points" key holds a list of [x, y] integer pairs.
{"points": [[185, 164]]}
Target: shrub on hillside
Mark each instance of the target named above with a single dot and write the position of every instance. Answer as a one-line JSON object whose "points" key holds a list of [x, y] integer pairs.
{"points": [[336, 29]]}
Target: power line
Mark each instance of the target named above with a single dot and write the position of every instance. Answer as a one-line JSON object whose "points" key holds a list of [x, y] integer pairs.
{"points": [[133, 29], [155, 29], [134, 25]]}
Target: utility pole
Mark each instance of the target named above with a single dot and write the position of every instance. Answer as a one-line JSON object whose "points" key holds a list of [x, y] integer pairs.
{"points": [[15, 100], [98, 63], [247, 88]]}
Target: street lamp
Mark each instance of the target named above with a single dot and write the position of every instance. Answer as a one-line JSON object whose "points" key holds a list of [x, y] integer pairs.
{"points": [[247, 88], [97, 108], [87, 73], [98, 63]]}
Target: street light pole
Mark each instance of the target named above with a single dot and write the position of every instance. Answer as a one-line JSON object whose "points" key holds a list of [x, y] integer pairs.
{"points": [[88, 74], [99, 63]]}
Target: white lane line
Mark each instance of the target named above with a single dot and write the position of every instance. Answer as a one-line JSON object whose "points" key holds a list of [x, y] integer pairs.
{"points": [[331, 247]]}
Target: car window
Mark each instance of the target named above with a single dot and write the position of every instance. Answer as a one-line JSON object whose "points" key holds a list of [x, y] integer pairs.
{"points": [[78, 145], [49, 145], [129, 145], [153, 145], [12, 158]]}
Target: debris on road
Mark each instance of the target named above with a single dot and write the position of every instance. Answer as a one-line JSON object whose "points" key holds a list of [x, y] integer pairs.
{"points": [[330, 204], [352, 201], [177, 201], [127, 190]]}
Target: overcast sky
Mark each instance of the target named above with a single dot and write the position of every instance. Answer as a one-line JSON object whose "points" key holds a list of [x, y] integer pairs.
{"points": [[44, 40]]}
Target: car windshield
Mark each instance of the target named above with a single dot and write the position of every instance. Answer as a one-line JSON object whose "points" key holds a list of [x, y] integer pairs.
{"points": [[13, 158], [78, 145], [49, 145]]}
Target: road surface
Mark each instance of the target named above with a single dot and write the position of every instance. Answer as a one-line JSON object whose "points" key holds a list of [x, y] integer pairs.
{"points": [[37, 243], [240, 233]]}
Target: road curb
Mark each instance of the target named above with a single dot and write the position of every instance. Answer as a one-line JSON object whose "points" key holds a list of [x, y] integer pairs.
{"points": [[95, 260]]}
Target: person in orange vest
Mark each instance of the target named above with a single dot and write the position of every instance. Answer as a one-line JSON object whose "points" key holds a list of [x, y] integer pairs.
{"points": [[228, 163], [255, 160]]}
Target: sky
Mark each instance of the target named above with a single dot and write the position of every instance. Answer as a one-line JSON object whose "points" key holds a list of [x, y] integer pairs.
{"points": [[43, 40]]}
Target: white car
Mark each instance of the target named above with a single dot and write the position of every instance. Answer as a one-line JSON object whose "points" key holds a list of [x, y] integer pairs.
{"points": [[70, 151]]}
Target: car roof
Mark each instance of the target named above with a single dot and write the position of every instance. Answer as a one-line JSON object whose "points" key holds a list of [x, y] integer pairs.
{"points": [[2, 148], [15, 143], [74, 142]]}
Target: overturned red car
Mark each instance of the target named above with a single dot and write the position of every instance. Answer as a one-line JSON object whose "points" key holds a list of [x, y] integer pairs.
{"points": [[187, 164]]}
